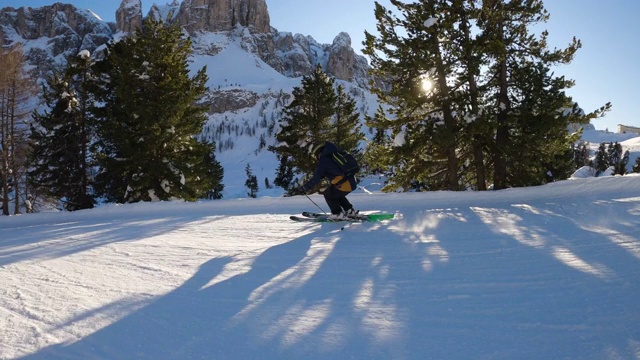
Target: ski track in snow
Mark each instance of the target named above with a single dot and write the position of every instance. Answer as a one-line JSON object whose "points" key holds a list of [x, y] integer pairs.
{"points": [[536, 273]]}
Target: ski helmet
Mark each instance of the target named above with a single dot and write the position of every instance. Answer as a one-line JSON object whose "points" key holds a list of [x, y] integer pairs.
{"points": [[316, 150]]}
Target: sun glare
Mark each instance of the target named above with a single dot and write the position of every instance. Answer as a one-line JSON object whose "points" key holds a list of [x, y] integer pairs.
{"points": [[426, 84]]}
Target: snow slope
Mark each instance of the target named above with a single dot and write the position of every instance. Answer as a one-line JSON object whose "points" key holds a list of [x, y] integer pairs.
{"points": [[234, 68], [547, 272]]}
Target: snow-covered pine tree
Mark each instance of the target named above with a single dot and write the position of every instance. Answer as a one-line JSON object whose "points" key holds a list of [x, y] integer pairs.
{"points": [[60, 136], [151, 113]]}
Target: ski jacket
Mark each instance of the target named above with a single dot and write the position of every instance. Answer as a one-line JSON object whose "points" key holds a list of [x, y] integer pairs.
{"points": [[328, 168]]}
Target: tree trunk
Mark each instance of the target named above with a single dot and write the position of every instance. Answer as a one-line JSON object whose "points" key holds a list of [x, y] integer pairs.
{"points": [[502, 132], [450, 124], [478, 161], [12, 146], [4, 154], [478, 154], [502, 126]]}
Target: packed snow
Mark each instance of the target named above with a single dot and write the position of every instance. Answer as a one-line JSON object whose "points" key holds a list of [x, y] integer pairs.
{"points": [[547, 272]]}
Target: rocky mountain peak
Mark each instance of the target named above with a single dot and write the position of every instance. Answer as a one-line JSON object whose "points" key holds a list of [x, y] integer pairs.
{"points": [[49, 21], [224, 15], [344, 63], [129, 16], [70, 29], [66, 28], [166, 13]]}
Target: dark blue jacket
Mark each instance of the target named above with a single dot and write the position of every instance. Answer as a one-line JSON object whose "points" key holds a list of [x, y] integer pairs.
{"points": [[328, 168]]}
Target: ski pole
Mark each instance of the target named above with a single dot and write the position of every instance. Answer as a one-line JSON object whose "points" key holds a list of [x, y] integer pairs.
{"points": [[314, 203]]}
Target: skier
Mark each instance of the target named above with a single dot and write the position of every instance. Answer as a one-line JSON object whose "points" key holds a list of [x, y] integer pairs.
{"points": [[336, 194]]}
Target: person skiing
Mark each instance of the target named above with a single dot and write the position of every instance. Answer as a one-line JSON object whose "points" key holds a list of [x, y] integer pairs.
{"points": [[341, 184]]}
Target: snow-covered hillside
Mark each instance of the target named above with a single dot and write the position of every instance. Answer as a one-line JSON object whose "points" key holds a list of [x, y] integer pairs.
{"points": [[629, 142], [234, 69], [548, 272]]}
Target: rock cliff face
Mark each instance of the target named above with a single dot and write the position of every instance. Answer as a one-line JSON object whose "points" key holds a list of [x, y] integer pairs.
{"points": [[343, 62], [292, 55], [224, 15], [64, 23], [129, 16], [165, 13], [65, 28], [70, 30], [295, 54]]}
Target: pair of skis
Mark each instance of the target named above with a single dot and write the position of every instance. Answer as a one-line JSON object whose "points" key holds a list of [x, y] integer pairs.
{"points": [[318, 217]]}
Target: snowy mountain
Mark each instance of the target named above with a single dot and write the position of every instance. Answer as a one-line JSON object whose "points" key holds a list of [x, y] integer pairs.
{"points": [[252, 67]]}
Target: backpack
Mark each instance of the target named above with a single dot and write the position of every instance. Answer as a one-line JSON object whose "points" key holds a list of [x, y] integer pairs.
{"points": [[347, 163]]}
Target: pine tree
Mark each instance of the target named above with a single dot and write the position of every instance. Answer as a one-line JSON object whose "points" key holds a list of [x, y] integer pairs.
{"points": [[621, 169], [617, 159], [306, 121], [251, 183], [636, 166], [60, 136], [528, 95], [377, 155], [482, 117], [614, 153], [601, 160], [421, 44], [536, 124], [476, 129], [215, 173], [318, 112], [581, 154], [150, 116], [346, 125], [284, 173]]}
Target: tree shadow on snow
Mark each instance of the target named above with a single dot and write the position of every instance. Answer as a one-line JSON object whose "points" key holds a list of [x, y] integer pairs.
{"points": [[441, 283], [86, 230]]}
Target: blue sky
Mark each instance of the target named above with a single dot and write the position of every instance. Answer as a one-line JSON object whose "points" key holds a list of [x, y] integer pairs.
{"points": [[605, 69]]}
